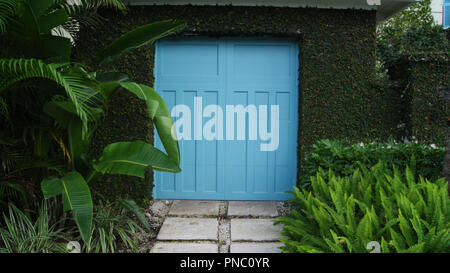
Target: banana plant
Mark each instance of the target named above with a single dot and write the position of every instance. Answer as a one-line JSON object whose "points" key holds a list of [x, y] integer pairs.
{"points": [[79, 109], [126, 158]]}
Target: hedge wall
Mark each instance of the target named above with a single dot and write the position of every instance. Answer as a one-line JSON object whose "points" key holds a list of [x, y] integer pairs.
{"points": [[337, 53], [428, 112], [419, 79]]}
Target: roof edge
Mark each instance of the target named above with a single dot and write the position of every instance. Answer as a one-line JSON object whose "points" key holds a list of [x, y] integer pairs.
{"points": [[385, 8]]}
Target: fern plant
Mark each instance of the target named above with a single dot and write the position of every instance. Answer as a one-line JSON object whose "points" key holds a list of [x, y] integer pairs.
{"points": [[392, 208]]}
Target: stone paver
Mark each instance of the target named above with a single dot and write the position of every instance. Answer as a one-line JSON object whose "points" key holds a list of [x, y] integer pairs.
{"points": [[252, 208], [195, 226], [194, 207], [261, 247], [184, 247], [255, 230], [175, 228]]}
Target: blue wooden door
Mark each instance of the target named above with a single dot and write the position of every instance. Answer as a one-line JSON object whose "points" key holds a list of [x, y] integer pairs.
{"points": [[225, 73]]}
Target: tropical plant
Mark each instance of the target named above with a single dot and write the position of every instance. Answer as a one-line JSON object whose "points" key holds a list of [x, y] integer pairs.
{"points": [[23, 235], [113, 228], [411, 33], [132, 207], [345, 214], [43, 29], [59, 103], [16, 190]]}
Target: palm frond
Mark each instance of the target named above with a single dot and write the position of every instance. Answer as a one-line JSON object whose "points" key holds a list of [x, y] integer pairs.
{"points": [[93, 4], [76, 6], [8, 9], [83, 13], [86, 18], [80, 88]]}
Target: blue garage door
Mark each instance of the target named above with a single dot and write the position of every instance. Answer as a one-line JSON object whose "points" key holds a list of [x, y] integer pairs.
{"points": [[223, 89]]}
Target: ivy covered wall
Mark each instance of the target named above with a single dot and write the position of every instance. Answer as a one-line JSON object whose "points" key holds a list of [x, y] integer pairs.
{"points": [[337, 99], [428, 111], [419, 78]]}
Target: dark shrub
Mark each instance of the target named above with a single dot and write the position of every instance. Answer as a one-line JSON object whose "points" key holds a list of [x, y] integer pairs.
{"points": [[425, 160]]}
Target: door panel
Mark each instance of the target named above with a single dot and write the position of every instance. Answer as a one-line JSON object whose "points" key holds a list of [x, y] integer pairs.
{"points": [[230, 72]]}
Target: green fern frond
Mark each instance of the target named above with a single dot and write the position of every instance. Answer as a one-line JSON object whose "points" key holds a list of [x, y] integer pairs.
{"points": [[343, 214], [406, 229]]}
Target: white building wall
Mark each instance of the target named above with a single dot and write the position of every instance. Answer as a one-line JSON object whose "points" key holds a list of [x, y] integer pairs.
{"points": [[436, 9]]}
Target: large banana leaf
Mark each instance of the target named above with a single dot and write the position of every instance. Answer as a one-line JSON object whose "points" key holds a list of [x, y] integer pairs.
{"points": [[131, 206], [112, 76], [160, 115], [77, 197], [64, 113], [138, 37], [157, 110], [133, 158]]}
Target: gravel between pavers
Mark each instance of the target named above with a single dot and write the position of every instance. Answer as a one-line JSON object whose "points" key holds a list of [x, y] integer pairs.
{"points": [[284, 208], [224, 228], [156, 213]]}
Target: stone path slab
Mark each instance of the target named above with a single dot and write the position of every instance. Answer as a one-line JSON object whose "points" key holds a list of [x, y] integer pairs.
{"points": [[196, 226], [194, 207], [252, 208], [184, 247], [261, 247], [255, 230], [176, 228]]}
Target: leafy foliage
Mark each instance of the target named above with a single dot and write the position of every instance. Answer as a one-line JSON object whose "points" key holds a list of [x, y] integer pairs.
{"points": [[132, 207], [76, 197], [132, 158], [22, 235], [58, 103], [80, 88], [411, 34], [415, 53], [138, 37], [16, 190], [344, 159], [344, 214], [428, 113], [112, 228], [7, 10]]}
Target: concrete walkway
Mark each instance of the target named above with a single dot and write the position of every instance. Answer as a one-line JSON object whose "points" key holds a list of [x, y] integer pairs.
{"points": [[194, 226]]}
